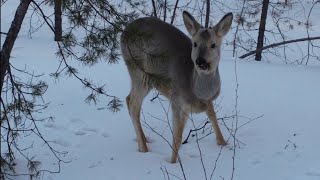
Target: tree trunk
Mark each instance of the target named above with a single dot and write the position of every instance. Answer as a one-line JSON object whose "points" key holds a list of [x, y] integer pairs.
{"points": [[57, 21], [262, 28], [154, 9], [207, 14], [11, 38], [165, 11]]}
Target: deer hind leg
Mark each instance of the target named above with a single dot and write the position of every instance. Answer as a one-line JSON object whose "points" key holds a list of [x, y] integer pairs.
{"points": [[213, 118], [134, 102], [178, 122]]}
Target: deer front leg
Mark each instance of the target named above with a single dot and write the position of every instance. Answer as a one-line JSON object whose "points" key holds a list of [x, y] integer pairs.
{"points": [[213, 118], [178, 122]]}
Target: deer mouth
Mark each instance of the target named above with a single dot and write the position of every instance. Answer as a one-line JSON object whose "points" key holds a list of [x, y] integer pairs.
{"points": [[204, 66]]}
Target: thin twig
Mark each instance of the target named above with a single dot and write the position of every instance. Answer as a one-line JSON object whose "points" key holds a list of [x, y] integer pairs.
{"points": [[237, 120]]}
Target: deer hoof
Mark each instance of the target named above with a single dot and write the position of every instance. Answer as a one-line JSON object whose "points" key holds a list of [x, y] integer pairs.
{"points": [[221, 142], [143, 149], [173, 160]]}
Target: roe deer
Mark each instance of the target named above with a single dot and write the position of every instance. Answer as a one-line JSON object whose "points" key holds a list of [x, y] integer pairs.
{"points": [[155, 50]]}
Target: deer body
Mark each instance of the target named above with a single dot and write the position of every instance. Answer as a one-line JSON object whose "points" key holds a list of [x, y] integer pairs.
{"points": [[152, 47]]}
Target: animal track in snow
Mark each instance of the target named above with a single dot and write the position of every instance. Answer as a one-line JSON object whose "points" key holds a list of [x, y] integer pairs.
{"points": [[90, 129], [313, 173], [50, 125], [194, 155], [256, 162], [94, 164], [149, 140], [62, 142], [80, 133], [105, 134], [85, 130], [75, 120]]}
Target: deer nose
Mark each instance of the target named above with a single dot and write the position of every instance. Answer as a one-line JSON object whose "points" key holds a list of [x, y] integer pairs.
{"points": [[200, 61]]}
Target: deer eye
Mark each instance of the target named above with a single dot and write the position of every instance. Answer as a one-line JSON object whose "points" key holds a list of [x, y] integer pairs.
{"points": [[213, 45], [195, 44]]}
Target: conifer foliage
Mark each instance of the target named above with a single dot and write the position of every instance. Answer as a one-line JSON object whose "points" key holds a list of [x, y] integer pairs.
{"points": [[100, 24]]}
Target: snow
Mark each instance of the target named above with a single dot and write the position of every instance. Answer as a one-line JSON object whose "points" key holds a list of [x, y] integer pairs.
{"points": [[282, 144]]}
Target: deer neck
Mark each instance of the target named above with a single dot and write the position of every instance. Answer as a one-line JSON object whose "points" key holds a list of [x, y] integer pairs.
{"points": [[206, 86]]}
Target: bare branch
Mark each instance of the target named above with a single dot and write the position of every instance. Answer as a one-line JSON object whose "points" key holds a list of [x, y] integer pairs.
{"points": [[279, 44], [174, 11], [236, 119], [45, 18], [237, 29]]}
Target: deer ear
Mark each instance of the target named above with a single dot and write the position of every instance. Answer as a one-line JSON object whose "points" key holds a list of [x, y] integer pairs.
{"points": [[223, 26], [191, 24]]}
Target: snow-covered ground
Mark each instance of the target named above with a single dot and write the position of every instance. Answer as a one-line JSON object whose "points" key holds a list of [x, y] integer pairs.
{"points": [[282, 144]]}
